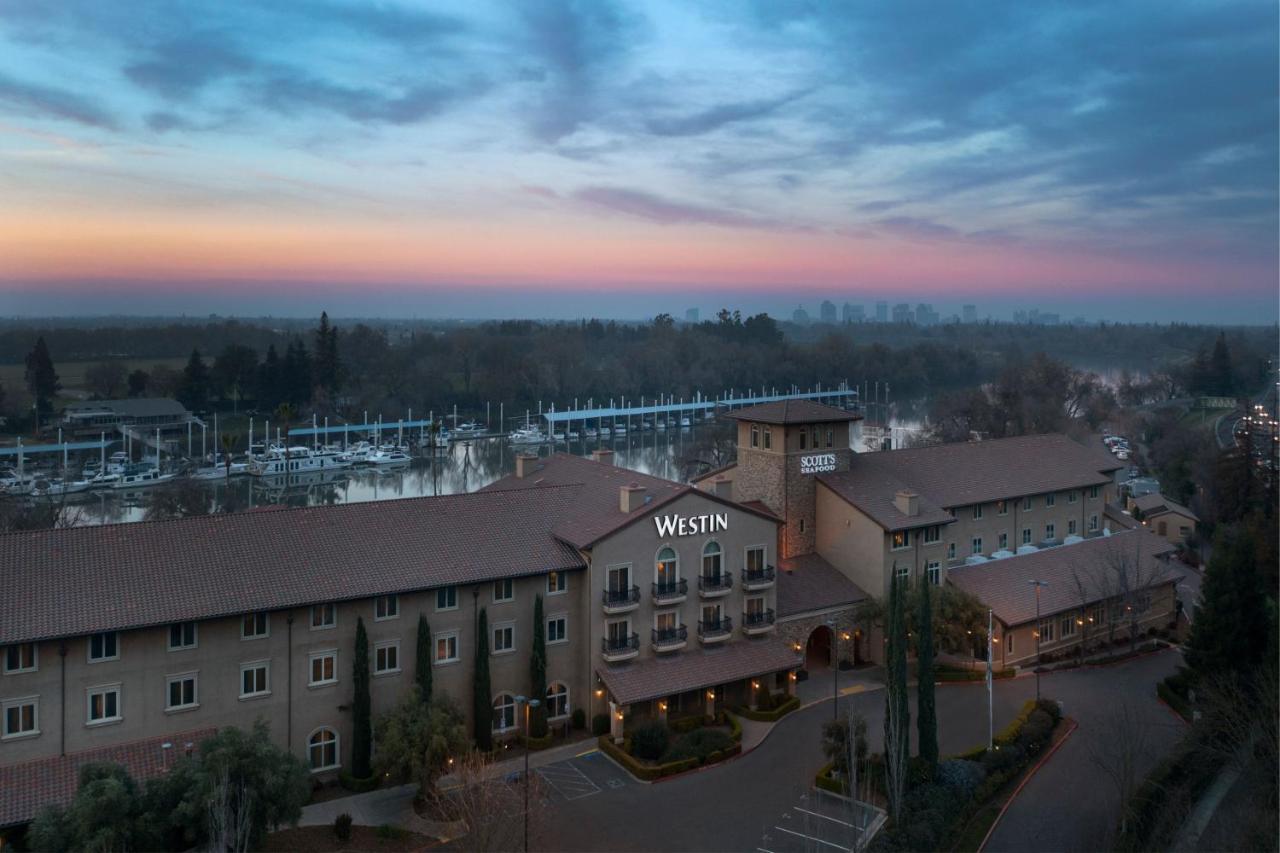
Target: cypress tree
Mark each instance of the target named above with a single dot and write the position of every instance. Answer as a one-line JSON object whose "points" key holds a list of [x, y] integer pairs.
{"points": [[362, 722], [927, 719], [41, 379], [423, 662], [482, 696], [897, 716], [1232, 616], [194, 393], [538, 673]]}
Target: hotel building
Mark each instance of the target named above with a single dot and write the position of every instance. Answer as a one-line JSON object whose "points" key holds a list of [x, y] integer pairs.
{"points": [[660, 599]]}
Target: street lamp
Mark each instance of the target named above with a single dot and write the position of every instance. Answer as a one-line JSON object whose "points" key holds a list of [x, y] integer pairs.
{"points": [[1037, 584], [527, 703]]}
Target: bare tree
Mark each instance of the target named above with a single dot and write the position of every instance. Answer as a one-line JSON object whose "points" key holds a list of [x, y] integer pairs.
{"points": [[896, 757], [230, 812], [492, 806], [1120, 747]]}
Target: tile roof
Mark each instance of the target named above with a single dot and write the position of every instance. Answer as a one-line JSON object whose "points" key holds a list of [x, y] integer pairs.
{"points": [[1002, 584], [1158, 504], [792, 412], [135, 407], [32, 785], [808, 582], [80, 580], [668, 675], [597, 512], [872, 490], [952, 475]]}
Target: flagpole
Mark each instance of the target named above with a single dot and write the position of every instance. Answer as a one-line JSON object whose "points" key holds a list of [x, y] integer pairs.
{"points": [[990, 711]]}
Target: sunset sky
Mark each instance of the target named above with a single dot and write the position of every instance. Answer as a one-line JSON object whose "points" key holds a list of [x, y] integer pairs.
{"points": [[619, 159]]}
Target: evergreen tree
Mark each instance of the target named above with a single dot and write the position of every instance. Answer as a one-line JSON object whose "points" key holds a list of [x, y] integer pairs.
{"points": [[423, 662], [194, 393], [269, 386], [927, 719], [326, 355], [1232, 618], [41, 378], [296, 373], [482, 696], [138, 380], [538, 673], [1221, 372], [361, 711], [897, 716]]}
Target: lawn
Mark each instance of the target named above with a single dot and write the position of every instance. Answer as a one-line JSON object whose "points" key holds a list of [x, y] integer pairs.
{"points": [[71, 373]]}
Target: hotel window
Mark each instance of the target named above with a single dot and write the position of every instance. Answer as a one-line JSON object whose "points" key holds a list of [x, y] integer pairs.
{"points": [[386, 607], [1050, 499], [20, 657], [804, 438], [104, 704], [1046, 631], [618, 633], [105, 646], [1093, 491], [322, 750], [447, 648], [667, 569], [323, 668], [557, 629], [1093, 522], [934, 569], [1072, 497], [712, 559], [755, 435], [180, 692], [711, 615], [447, 598], [1002, 507], [21, 717], [768, 438], [255, 679], [977, 511], [1050, 531], [666, 623], [830, 437], [1026, 536], [899, 539], [619, 583], [1008, 644], [1067, 626], [1004, 541], [255, 626], [182, 636], [557, 582], [755, 607], [504, 713], [1026, 504], [1098, 615], [1071, 527], [557, 701], [504, 590], [324, 616], [755, 561], [932, 535], [386, 657], [504, 638], [976, 545], [951, 550], [902, 572]]}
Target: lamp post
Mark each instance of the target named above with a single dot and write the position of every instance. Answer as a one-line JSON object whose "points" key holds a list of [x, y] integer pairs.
{"points": [[1038, 584], [527, 703]]}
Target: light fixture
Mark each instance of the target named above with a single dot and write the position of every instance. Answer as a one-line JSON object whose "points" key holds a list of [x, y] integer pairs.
{"points": [[711, 694]]}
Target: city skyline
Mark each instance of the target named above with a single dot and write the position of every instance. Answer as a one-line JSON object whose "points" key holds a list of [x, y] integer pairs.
{"points": [[607, 159]]}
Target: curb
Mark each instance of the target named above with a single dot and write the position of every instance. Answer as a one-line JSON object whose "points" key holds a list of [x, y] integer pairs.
{"points": [[1025, 779]]}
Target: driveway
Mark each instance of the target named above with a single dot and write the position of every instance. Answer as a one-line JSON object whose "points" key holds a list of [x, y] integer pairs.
{"points": [[735, 805]]}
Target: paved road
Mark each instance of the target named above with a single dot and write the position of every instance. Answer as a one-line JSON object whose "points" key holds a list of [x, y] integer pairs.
{"points": [[734, 805]]}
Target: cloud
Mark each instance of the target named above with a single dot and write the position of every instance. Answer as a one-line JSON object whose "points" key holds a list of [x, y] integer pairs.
{"points": [[663, 211], [33, 99], [719, 116], [916, 228], [181, 67], [288, 93]]}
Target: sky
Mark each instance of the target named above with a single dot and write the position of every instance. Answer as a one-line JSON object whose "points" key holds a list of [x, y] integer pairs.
{"points": [[561, 159]]}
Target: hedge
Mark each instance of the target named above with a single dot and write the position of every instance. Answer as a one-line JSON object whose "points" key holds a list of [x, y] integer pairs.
{"points": [[779, 711], [946, 675], [536, 743], [1175, 700], [827, 782], [358, 786], [647, 772]]}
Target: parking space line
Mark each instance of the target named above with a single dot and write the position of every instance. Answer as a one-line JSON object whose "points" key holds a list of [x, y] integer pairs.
{"points": [[570, 782], [812, 838]]}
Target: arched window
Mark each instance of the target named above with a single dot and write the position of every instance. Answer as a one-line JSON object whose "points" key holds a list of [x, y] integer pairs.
{"points": [[668, 567], [557, 701], [322, 749], [711, 560], [504, 712]]}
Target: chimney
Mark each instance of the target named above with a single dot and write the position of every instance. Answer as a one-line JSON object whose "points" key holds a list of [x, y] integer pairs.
{"points": [[525, 463], [631, 497], [605, 457], [908, 503], [722, 487]]}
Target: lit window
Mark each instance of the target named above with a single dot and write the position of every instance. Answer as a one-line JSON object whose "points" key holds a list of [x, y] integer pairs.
{"points": [[557, 701], [255, 626], [386, 657], [21, 717], [447, 598], [504, 713], [503, 590], [322, 750], [504, 638], [557, 629], [324, 616], [104, 704], [386, 607], [667, 569], [20, 657], [255, 679], [557, 582], [447, 648], [324, 668], [899, 539], [180, 692], [182, 636], [1002, 507], [105, 646]]}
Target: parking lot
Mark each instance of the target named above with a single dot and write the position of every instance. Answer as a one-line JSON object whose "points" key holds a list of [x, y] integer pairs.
{"points": [[582, 776]]}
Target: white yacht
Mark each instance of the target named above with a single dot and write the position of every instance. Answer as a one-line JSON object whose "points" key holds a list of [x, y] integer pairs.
{"points": [[384, 456], [279, 461], [117, 462], [141, 476], [660, 424], [220, 472], [53, 488], [604, 430], [685, 423], [529, 435], [619, 429], [468, 429], [590, 432]]}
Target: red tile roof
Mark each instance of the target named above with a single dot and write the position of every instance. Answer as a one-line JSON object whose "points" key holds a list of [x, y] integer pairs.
{"points": [[792, 412], [668, 675], [963, 473], [1157, 504], [80, 580], [1094, 564], [808, 582], [30, 786]]}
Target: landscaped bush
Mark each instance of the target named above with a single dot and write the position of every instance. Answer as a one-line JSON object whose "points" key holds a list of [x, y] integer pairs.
{"points": [[1035, 731], [391, 833], [699, 744], [536, 743], [358, 786], [783, 705], [600, 724], [962, 777], [650, 741], [579, 719], [342, 827], [636, 768], [688, 724]]}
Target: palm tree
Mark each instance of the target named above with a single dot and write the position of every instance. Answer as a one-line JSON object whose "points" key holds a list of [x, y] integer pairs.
{"points": [[228, 443], [285, 415]]}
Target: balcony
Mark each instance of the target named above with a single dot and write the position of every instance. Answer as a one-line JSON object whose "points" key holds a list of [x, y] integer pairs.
{"points": [[670, 639], [615, 649], [670, 592], [715, 632], [621, 600], [715, 586], [757, 623], [757, 579]]}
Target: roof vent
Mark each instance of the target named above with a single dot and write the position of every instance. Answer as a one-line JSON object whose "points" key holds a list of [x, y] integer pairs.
{"points": [[602, 456], [907, 502], [631, 497]]}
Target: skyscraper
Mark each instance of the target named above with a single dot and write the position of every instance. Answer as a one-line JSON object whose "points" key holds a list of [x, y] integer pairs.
{"points": [[853, 313], [970, 313], [882, 312], [691, 315], [827, 311], [800, 316]]}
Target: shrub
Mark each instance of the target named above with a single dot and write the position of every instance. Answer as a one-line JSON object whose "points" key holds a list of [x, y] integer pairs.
{"points": [[688, 724], [650, 741], [1035, 731], [358, 786], [392, 833], [579, 719], [1002, 758], [699, 744], [342, 827], [764, 699], [600, 724], [961, 776]]}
